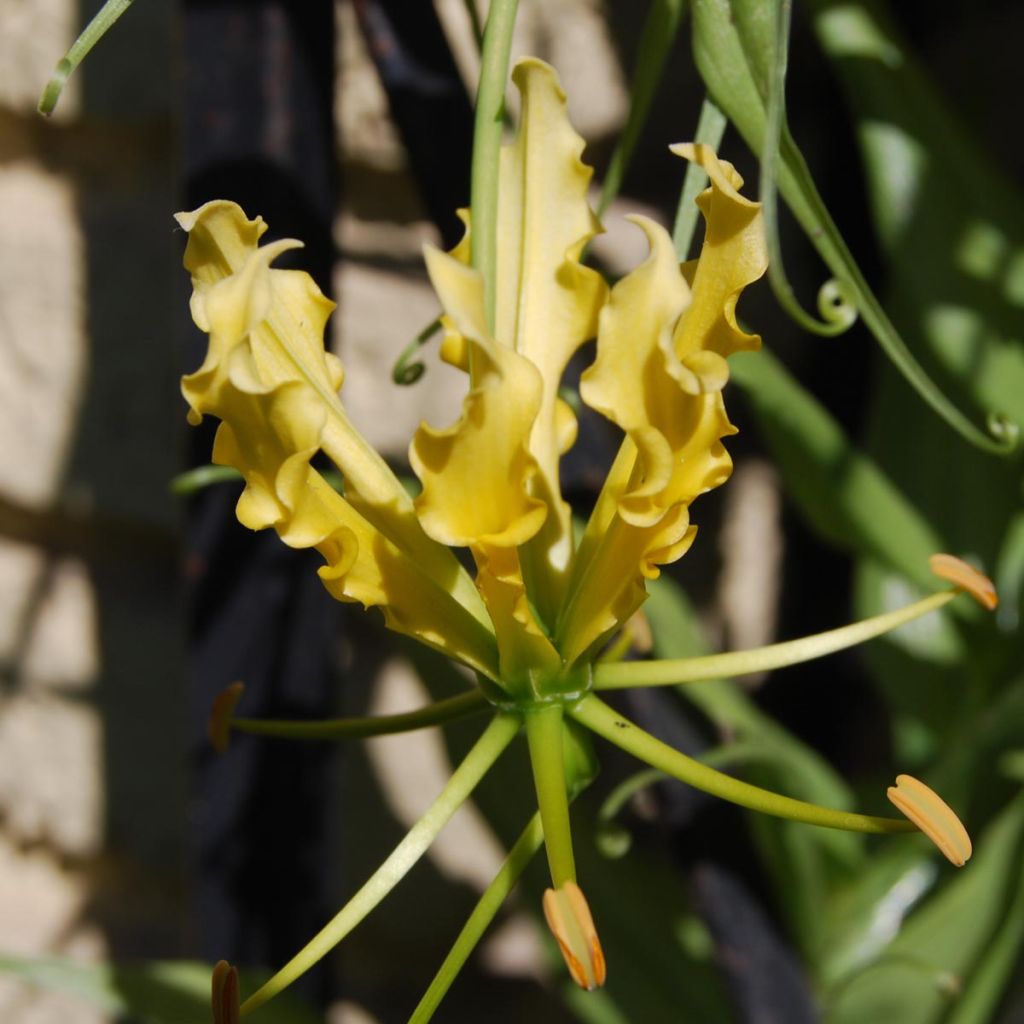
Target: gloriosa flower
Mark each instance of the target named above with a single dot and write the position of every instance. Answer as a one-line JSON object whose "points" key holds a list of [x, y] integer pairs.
{"points": [[541, 608]]}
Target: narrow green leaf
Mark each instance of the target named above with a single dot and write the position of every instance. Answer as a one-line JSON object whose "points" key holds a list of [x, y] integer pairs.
{"points": [[949, 937], [731, 75], [660, 30]]}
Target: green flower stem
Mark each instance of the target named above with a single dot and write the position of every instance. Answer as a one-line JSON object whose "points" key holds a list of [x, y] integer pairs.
{"points": [[597, 716], [544, 734], [839, 314], [477, 762], [710, 129], [373, 725], [483, 913], [661, 26], [669, 672], [91, 35], [487, 129]]}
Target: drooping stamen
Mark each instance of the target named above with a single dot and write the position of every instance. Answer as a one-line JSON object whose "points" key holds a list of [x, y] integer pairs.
{"points": [[218, 725], [484, 912], [438, 713], [225, 994], [672, 671], [966, 578], [933, 816], [568, 916], [597, 716], [474, 766]]}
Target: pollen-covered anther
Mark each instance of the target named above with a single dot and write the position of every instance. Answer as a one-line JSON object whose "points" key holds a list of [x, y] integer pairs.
{"points": [[218, 725], [933, 816], [956, 571], [225, 994], [568, 917]]}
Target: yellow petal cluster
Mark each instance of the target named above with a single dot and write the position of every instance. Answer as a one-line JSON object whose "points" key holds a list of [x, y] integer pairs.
{"points": [[539, 607], [662, 345], [491, 481], [269, 380]]}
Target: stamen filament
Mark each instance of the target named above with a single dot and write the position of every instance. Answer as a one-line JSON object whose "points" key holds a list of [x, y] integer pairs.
{"points": [[477, 762], [544, 734], [447, 710], [483, 913], [597, 716], [670, 671]]}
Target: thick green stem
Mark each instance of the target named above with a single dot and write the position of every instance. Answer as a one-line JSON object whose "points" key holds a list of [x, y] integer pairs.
{"points": [[544, 735], [373, 725], [487, 129], [483, 913], [840, 313], [669, 672], [484, 753], [600, 718]]}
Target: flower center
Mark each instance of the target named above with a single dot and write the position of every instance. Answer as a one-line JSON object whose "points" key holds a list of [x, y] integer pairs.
{"points": [[540, 689]]}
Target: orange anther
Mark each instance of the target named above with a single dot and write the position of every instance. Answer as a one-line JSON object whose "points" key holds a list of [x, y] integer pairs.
{"points": [[967, 578], [218, 725], [568, 917], [933, 816], [225, 994]]}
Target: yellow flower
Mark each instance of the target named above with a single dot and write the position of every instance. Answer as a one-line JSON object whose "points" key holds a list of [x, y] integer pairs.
{"points": [[541, 608]]}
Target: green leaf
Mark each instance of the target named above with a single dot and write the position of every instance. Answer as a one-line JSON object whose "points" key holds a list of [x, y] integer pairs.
{"points": [[732, 49], [953, 236], [950, 936]]}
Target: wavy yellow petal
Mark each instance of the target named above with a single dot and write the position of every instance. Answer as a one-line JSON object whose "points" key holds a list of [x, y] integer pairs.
{"points": [[267, 436], [266, 331], [659, 372], [547, 303], [476, 474], [527, 659], [733, 255]]}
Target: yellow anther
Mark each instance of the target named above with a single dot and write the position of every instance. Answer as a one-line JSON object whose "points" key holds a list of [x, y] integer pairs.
{"points": [[225, 993], [933, 816], [967, 578], [568, 917], [218, 725]]}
